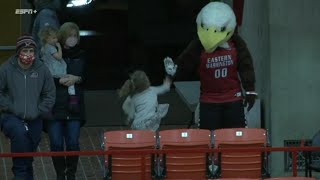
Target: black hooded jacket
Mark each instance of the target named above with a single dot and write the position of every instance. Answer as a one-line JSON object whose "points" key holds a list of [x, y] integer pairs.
{"points": [[62, 110]]}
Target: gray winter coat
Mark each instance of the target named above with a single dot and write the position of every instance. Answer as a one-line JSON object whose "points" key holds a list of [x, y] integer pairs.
{"points": [[26, 93]]}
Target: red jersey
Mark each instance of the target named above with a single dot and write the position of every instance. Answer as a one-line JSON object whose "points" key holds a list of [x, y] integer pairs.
{"points": [[219, 76]]}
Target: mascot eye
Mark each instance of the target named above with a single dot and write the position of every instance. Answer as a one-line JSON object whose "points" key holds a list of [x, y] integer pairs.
{"points": [[223, 29], [202, 25]]}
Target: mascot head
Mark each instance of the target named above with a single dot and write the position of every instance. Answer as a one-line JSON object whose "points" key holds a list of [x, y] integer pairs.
{"points": [[216, 23]]}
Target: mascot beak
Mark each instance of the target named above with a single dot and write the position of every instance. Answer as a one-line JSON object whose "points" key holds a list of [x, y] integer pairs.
{"points": [[212, 37]]}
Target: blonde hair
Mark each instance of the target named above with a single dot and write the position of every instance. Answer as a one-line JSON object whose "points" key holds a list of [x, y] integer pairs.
{"points": [[138, 82], [46, 32], [65, 31]]}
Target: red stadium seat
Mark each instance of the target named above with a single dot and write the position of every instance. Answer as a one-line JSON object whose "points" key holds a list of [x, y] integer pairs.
{"points": [[240, 164], [121, 167], [185, 165]]}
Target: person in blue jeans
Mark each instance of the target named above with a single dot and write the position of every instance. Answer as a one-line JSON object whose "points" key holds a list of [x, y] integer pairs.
{"points": [[27, 93], [64, 130]]}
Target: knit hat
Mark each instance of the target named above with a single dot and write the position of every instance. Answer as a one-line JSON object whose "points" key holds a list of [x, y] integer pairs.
{"points": [[25, 41]]}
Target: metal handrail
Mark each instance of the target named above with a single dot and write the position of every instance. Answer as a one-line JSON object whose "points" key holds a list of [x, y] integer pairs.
{"points": [[294, 151]]}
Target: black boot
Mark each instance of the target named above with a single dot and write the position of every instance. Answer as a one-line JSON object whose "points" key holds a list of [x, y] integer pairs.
{"points": [[59, 164], [72, 164]]}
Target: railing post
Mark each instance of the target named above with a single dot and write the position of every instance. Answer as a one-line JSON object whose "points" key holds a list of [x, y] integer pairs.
{"points": [[143, 167], [294, 163]]}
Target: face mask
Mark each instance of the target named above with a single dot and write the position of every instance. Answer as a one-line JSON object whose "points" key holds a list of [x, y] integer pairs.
{"points": [[26, 59], [71, 41]]}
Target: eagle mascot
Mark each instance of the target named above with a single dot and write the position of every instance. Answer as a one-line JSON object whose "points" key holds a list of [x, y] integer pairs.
{"points": [[222, 62]]}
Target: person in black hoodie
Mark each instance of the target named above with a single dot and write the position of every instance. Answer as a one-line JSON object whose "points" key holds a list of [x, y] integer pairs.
{"points": [[64, 129], [46, 16], [27, 93]]}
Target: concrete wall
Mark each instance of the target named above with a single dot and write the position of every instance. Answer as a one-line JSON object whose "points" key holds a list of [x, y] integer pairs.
{"points": [[255, 31], [283, 38], [294, 62]]}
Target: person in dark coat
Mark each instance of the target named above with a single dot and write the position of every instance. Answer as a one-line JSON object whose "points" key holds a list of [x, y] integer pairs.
{"points": [[64, 130]]}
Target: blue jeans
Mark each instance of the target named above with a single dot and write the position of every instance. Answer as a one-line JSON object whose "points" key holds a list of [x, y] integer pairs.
{"points": [[64, 132], [24, 137], [64, 135]]}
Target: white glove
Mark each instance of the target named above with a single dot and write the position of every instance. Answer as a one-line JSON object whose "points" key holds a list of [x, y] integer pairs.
{"points": [[170, 67]]}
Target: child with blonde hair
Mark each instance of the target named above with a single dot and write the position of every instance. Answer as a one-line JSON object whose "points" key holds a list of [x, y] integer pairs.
{"points": [[51, 54], [141, 104]]}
